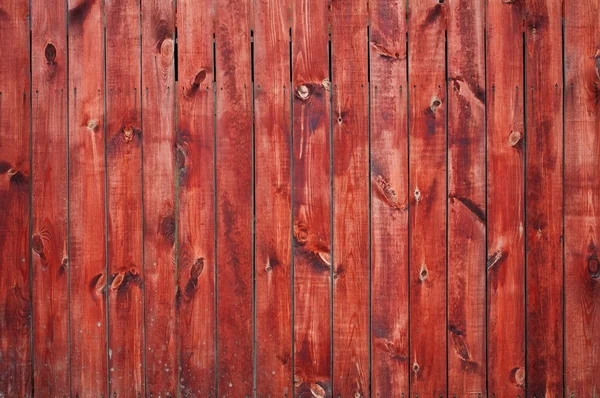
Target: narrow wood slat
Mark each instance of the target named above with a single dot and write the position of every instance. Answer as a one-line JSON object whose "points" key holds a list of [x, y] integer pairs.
{"points": [[505, 201], [49, 198], [466, 199], [311, 110], [234, 199], [87, 200], [351, 284], [427, 121], [195, 181], [15, 299], [544, 198], [273, 250], [389, 196], [582, 197], [124, 178]]}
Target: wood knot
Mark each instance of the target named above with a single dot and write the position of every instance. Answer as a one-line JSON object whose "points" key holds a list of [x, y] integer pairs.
{"points": [[326, 84], [302, 92], [597, 57], [128, 134], [92, 125], [417, 194], [197, 268], [423, 273], [517, 377], [317, 391], [199, 78], [593, 266], [515, 137], [50, 53], [166, 48], [435, 103], [415, 367], [37, 244], [117, 281], [300, 234], [98, 283]]}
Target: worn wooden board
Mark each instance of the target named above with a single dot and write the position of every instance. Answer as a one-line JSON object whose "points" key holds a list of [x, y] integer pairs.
{"points": [[196, 190], [389, 198], [582, 195], [427, 146], [124, 195], [311, 198], [15, 300], [273, 250], [505, 200], [234, 179], [466, 198], [87, 200]]}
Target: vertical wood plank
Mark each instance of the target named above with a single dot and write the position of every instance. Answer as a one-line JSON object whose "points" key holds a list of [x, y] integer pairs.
{"points": [[15, 298], [351, 285], [124, 178], [544, 198], [234, 199], [49, 198], [273, 250], [389, 193], [311, 110], [427, 121], [87, 200], [505, 201], [195, 181], [466, 200], [158, 121], [582, 196]]}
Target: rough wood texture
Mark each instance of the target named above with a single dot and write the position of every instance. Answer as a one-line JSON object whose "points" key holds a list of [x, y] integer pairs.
{"points": [[15, 299], [311, 199], [124, 179], [87, 204], [273, 266], [389, 196], [428, 203], [234, 199], [506, 199], [196, 189], [582, 197], [466, 198], [49, 198]]}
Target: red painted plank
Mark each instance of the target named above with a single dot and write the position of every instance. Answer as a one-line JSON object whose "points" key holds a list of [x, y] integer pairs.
{"points": [[506, 256], [234, 199], [15, 299], [427, 121], [49, 198], [273, 190], [124, 178], [196, 223], [544, 198], [389, 193], [466, 201], [87, 205], [351, 284], [158, 120], [582, 197], [311, 199]]}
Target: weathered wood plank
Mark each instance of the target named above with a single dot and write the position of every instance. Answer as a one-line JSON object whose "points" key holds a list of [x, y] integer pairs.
{"points": [[196, 189], [544, 197], [124, 179], [466, 200], [273, 249], [49, 198], [506, 200], [311, 198], [234, 199], [389, 196], [15, 298], [158, 121], [87, 200], [428, 202], [582, 197]]}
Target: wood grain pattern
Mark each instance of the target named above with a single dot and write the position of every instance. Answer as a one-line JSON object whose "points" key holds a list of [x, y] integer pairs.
{"points": [[15, 298], [196, 190], [466, 198], [50, 293], [582, 195], [124, 191], [389, 196], [273, 223], [505, 201], [427, 121], [234, 199], [87, 199], [311, 199]]}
